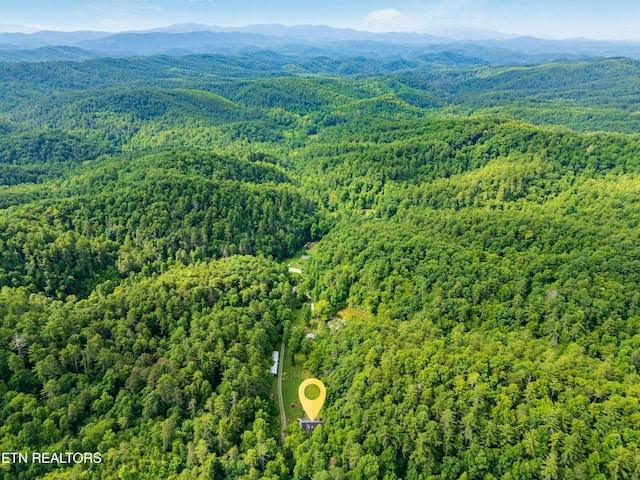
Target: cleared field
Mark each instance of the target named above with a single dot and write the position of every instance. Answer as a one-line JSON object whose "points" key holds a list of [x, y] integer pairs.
{"points": [[292, 376]]}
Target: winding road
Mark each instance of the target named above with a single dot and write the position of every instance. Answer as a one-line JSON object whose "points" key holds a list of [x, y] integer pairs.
{"points": [[283, 416]]}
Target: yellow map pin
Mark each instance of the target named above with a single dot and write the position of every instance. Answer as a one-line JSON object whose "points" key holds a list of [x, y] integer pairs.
{"points": [[312, 407]]}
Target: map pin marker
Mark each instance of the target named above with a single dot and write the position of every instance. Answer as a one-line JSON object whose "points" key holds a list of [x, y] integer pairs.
{"points": [[312, 407]]}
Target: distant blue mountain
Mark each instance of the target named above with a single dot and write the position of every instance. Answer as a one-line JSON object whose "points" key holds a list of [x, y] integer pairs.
{"points": [[154, 43], [57, 53], [306, 40], [49, 38]]}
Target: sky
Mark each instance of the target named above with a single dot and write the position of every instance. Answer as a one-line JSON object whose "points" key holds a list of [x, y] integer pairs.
{"points": [[612, 19]]}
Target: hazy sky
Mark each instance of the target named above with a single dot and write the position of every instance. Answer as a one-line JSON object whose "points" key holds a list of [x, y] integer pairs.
{"points": [[614, 19]]}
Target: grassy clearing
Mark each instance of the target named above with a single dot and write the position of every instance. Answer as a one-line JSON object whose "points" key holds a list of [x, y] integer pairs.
{"points": [[313, 248], [350, 312], [297, 261], [293, 375]]}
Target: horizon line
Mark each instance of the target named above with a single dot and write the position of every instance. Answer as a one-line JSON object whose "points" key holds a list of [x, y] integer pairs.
{"points": [[482, 34]]}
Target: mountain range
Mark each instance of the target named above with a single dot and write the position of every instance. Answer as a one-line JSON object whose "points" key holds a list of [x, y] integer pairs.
{"points": [[306, 40]]}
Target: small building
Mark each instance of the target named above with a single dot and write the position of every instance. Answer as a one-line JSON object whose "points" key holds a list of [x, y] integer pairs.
{"points": [[308, 426], [311, 336], [295, 270], [305, 257], [275, 356]]}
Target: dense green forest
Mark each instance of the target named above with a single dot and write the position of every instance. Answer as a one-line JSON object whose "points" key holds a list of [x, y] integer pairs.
{"points": [[478, 234]]}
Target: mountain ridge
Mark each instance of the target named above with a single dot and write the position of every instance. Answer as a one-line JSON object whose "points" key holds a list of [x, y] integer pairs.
{"points": [[201, 38]]}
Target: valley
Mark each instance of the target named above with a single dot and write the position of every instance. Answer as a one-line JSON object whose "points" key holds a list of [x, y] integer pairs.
{"points": [[477, 226]]}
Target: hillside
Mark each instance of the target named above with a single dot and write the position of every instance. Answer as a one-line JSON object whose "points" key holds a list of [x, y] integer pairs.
{"points": [[475, 277]]}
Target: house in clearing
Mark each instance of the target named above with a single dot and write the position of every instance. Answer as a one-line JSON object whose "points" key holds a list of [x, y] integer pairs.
{"points": [[308, 426]]}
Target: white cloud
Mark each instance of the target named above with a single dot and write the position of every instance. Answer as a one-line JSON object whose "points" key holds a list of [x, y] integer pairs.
{"points": [[389, 19], [385, 15]]}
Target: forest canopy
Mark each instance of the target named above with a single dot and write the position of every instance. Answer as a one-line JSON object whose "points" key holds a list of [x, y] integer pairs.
{"points": [[471, 270]]}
